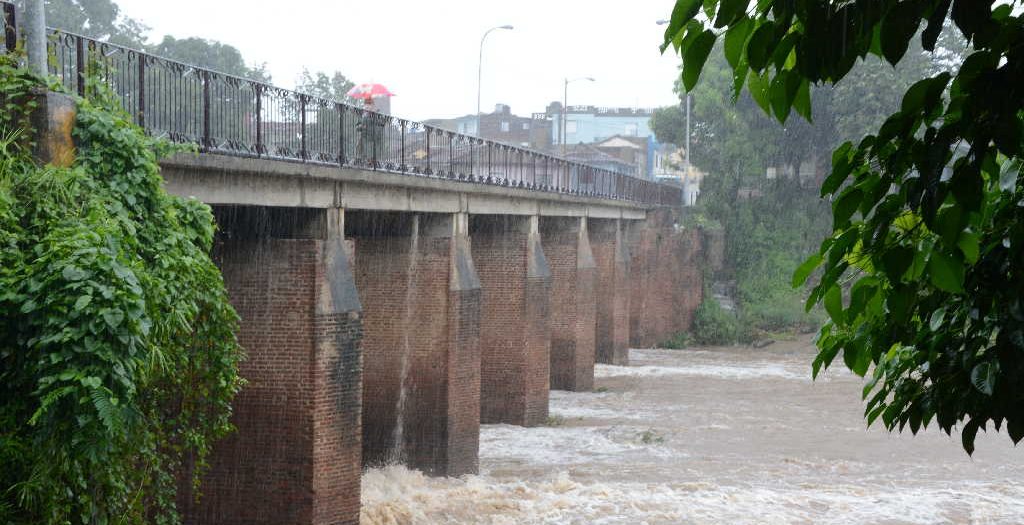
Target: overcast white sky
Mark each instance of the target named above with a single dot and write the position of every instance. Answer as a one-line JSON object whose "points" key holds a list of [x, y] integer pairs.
{"points": [[425, 51]]}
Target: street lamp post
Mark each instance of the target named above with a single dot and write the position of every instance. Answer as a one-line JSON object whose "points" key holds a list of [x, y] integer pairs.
{"points": [[480, 73], [35, 36], [687, 145], [565, 106]]}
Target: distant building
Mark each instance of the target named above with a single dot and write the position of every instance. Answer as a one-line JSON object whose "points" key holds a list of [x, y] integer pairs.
{"points": [[587, 124], [618, 139], [635, 151], [670, 166], [593, 155], [501, 126]]}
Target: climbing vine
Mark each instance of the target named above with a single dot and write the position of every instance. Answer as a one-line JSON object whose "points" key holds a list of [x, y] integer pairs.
{"points": [[118, 359]]}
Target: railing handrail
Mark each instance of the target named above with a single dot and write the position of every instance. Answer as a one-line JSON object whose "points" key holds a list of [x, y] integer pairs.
{"points": [[363, 136]]}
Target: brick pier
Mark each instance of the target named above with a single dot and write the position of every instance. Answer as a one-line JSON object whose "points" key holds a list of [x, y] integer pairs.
{"points": [[573, 307], [613, 290], [515, 328], [295, 458], [421, 300]]}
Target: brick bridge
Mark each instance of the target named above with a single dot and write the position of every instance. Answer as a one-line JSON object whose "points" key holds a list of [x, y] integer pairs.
{"points": [[398, 285]]}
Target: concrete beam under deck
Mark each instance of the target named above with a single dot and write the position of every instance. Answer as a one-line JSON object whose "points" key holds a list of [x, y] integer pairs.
{"points": [[219, 179]]}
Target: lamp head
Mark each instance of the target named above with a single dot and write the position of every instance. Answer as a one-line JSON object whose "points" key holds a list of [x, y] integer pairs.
{"points": [[505, 27]]}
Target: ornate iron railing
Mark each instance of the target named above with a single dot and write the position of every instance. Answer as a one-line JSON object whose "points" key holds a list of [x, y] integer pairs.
{"points": [[8, 26], [229, 115]]}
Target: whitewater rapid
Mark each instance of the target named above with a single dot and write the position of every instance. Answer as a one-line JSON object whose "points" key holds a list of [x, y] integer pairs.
{"points": [[734, 435]]}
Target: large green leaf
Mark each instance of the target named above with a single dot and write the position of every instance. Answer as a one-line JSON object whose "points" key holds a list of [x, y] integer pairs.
{"points": [[984, 376], [783, 92], [845, 205], [802, 102], [935, 21], [945, 272], [735, 40], [729, 11], [969, 246], [683, 12], [757, 84], [762, 44], [804, 270], [834, 304], [696, 54], [898, 28]]}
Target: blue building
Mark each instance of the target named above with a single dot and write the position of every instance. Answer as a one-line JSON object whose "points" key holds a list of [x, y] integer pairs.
{"points": [[589, 124]]}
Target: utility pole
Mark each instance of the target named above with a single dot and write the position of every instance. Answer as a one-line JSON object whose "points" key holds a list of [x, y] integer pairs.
{"points": [[565, 107], [687, 134], [480, 73], [35, 36]]}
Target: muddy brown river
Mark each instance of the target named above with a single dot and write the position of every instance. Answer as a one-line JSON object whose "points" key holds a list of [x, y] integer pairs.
{"points": [[717, 435]]}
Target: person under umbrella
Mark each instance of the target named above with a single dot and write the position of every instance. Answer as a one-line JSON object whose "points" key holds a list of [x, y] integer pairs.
{"points": [[370, 126]]}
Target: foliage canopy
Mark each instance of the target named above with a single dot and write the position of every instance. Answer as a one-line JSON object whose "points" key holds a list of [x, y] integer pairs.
{"points": [[921, 274], [118, 359]]}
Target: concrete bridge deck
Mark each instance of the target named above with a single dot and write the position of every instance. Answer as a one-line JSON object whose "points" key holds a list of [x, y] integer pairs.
{"points": [[221, 179]]}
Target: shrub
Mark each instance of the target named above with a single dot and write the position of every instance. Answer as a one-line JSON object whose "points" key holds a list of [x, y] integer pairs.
{"points": [[714, 325], [678, 341], [118, 358]]}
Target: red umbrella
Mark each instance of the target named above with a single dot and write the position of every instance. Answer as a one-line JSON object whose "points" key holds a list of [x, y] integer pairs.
{"points": [[368, 91]]}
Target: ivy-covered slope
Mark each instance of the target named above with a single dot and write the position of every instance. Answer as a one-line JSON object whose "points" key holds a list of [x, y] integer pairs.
{"points": [[118, 356]]}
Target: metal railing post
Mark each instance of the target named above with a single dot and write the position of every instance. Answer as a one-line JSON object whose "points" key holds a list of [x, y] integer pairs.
{"points": [[341, 133], [426, 132], [206, 111], [302, 128], [142, 91], [259, 120], [81, 66], [403, 165], [10, 27]]}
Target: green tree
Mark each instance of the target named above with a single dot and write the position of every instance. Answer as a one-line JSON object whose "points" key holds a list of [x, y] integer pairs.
{"points": [[99, 19], [921, 275], [209, 54], [334, 86], [118, 359]]}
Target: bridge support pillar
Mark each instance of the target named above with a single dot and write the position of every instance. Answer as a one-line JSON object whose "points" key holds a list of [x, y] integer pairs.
{"points": [[515, 329], [295, 458], [421, 299], [645, 312], [685, 259], [612, 286], [567, 247]]}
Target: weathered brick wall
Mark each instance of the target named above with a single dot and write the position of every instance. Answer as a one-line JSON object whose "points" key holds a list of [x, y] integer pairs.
{"points": [[414, 309], [382, 276], [573, 307], [666, 285], [612, 297], [463, 453], [295, 458], [514, 325], [688, 253], [643, 243]]}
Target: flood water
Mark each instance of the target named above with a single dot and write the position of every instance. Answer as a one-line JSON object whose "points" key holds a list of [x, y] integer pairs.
{"points": [[719, 435]]}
